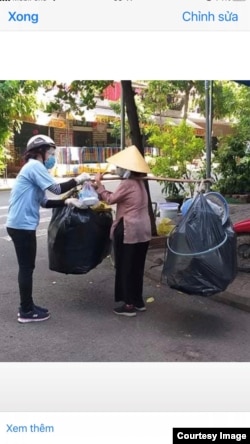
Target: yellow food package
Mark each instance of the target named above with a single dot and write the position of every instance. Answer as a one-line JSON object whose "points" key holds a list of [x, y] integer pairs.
{"points": [[101, 206], [165, 227]]}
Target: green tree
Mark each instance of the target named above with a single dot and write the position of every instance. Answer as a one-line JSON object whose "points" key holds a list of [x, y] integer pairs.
{"points": [[155, 97], [184, 87], [233, 159], [144, 117], [76, 95], [17, 99], [160, 96], [179, 146], [233, 155], [242, 113], [226, 98]]}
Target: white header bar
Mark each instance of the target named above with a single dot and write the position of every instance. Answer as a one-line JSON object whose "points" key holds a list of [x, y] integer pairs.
{"points": [[124, 15]]}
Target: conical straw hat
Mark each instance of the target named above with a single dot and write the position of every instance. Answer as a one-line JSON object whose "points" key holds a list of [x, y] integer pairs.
{"points": [[130, 159]]}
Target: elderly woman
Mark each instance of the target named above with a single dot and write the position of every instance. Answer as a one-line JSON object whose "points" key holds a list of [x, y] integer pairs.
{"points": [[131, 230]]}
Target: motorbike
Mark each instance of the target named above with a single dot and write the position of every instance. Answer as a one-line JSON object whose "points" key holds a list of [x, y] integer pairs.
{"points": [[242, 229]]}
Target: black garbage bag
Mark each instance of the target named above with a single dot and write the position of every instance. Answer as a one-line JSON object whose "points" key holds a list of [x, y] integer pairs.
{"points": [[201, 257], [78, 240]]}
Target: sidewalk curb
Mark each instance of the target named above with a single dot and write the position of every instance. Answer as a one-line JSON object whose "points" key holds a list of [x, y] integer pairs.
{"points": [[233, 300]]}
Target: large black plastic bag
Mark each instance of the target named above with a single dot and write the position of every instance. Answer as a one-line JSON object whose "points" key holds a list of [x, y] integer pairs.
{"points": [[78, 240], [201, 257]]}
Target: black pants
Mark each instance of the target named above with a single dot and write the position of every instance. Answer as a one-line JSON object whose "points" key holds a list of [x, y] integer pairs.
{"points": [[25, 246], [129, 264]]}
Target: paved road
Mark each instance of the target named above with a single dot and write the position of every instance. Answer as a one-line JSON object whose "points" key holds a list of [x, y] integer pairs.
{"points": [[83, 328]]}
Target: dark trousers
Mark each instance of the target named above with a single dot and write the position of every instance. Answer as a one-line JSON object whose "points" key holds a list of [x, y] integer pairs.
{"points": [[25, 246], [129, 264]]}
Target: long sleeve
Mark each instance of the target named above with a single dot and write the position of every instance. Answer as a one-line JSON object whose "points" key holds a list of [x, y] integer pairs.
{"points": [[60, 188], [132, 206], [119, 195], [52, 203]]}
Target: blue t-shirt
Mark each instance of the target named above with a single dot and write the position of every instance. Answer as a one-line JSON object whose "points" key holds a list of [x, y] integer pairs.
{"points": [[27, 195]]}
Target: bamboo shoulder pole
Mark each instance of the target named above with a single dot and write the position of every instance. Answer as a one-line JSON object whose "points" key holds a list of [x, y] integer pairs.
{"points": [[161, 179], [156, 178]]}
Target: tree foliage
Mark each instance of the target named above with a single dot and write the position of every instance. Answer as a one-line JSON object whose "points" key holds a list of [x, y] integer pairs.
{"points": [[179, 146], [233, 159], [144, 117], [233, 155], [154, 96], [160, 96], [76, 95], [242, 112], [225, 96], [17, 99]]}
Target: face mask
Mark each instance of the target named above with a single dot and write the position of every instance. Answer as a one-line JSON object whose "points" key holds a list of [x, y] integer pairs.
{"points": [[50, 162], [120, 171], [125, 174]]}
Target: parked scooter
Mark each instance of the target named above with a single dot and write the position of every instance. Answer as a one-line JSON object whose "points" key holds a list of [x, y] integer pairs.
{"points": [[242, 229]]}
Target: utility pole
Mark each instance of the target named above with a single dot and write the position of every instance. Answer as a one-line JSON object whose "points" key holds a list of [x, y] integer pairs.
{"points": [[122, 145], [208, 114]]}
